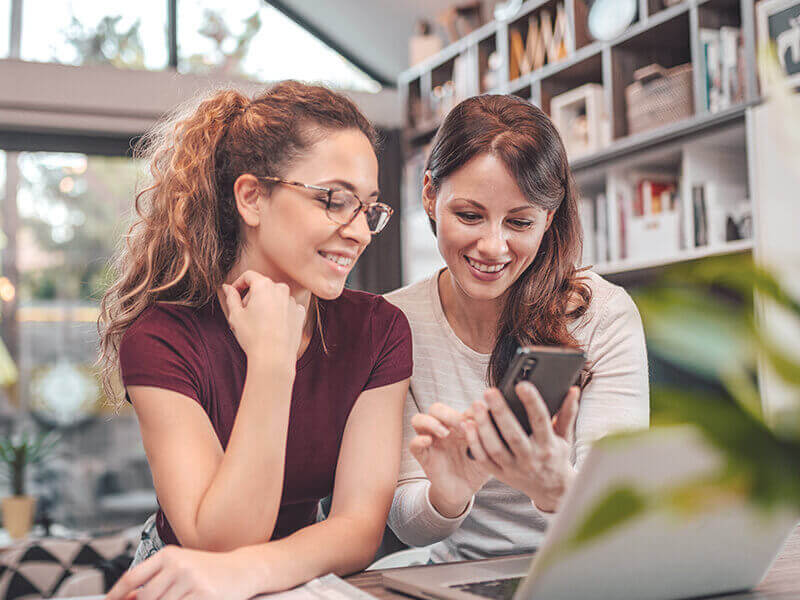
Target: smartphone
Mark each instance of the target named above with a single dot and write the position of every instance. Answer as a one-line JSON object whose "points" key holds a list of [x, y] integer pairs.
{"points": [[552, 369]]}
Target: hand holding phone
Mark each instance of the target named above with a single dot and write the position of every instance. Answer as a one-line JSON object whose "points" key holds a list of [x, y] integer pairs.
{"points": [[552, 370]]}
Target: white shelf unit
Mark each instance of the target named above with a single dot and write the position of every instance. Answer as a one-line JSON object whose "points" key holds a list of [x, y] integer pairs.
{"points": [[668, 36]]}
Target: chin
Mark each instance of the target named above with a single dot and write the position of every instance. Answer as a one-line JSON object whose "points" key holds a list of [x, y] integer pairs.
{"points": [[478, 290], [328, 290]]}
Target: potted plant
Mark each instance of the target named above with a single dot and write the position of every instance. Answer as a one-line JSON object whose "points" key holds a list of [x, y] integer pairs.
{"points": [[16, 453]]}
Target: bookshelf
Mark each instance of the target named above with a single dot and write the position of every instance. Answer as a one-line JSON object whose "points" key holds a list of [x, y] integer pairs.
{"points": [[673, 159]]}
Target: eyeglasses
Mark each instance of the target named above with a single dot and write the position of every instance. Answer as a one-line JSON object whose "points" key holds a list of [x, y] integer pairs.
{"points": [[343, 206]]}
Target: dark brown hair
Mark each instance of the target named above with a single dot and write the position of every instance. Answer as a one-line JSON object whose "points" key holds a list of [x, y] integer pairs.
{"points": [[187, 234], [537, 309]]}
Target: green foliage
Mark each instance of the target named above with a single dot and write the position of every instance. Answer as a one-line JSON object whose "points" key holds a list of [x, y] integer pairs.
{"points": [[700, 317], [621, 505], [105, 43], [17, 452]]}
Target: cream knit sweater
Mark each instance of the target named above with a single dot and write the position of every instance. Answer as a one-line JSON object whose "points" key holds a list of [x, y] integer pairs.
{"points": [[500, 520]]}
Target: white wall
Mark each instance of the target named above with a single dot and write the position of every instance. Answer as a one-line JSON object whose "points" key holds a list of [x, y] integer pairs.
{"points": [[775, 131], [102, 99]]}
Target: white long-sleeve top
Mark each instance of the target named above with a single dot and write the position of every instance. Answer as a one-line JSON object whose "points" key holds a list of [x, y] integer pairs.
{"points": [[501, 520]]}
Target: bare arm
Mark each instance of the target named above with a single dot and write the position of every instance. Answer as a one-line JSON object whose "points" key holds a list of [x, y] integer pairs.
{"points": [[365, 478], [207, 493], [366, 475]]}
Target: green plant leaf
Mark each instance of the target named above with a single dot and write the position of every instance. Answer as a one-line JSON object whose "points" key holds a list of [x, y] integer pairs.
{"points": [[620, 505]]}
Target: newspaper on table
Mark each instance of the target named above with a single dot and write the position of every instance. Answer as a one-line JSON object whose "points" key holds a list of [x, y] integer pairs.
{"points": [[327, 587]]}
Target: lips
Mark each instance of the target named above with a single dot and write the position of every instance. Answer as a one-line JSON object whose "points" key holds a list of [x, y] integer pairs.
{"points": [[339, 259], [485, 271], [486, 267]]}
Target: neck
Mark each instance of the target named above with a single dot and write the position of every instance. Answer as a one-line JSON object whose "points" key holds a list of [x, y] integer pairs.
{"points": [[301, 295], [473, 321]]}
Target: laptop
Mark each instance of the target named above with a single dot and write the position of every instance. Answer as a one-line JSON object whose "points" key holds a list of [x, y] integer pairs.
{"points": [[724, 546]]}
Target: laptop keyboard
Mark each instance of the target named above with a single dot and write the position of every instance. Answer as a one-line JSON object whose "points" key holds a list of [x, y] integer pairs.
{"points": [[497, 589]]}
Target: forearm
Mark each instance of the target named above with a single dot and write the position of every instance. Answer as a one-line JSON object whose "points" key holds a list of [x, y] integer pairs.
{"points": [[340, 545], [414, 519], [241, 504]]}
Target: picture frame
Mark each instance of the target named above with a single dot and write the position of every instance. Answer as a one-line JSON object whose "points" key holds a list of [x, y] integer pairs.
{"points": [[581, 119], [778, 22]]}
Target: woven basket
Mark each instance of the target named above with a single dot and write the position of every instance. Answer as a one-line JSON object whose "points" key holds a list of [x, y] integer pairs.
{"points": [[659, 96]]}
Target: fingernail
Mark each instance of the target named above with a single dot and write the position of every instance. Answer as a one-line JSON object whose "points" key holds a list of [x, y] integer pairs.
{"points": [[443, 431]]}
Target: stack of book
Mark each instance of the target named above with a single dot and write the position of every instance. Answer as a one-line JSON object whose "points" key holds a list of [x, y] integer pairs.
{"points": [[650, 224], [724, 67]]}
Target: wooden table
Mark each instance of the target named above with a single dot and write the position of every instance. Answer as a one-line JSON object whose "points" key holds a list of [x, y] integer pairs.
{"points": [[782, 580]]}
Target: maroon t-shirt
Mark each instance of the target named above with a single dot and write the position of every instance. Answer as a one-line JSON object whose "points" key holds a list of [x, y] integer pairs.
{"points": [[194, 352]]}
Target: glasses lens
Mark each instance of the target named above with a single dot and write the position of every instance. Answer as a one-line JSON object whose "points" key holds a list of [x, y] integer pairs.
{"points": [[343, 207], [377, 217]]}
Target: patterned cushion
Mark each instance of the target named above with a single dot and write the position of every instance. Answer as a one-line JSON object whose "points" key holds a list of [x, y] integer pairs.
{"points": [[41, 568]]}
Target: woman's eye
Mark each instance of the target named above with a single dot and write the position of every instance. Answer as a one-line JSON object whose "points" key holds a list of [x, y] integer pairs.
{"points": [[468, 217], [520, 223]]}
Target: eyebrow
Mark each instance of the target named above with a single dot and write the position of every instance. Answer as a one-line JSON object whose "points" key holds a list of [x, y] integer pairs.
{"points": [[346, 185], [482, 207]]}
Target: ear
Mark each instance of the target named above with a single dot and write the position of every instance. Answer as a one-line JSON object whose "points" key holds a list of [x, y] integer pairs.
{"points": [[428, 196], [247, 192], [550, 215]]}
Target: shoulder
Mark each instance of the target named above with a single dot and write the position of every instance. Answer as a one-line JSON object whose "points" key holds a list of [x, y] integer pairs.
{"points": [[160, 316], [161, 324], [372, 309], [413, 298], [610, 304]]}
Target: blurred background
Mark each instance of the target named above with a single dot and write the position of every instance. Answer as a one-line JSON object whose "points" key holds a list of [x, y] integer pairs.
{"points": [[679, 148]]}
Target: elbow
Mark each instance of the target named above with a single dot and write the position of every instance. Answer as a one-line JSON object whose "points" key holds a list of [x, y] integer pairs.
{"points": [[222, 536], [415, 539]]}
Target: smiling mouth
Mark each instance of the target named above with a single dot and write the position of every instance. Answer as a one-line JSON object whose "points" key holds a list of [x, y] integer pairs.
{"points": [[486, 268], [338, 259]]}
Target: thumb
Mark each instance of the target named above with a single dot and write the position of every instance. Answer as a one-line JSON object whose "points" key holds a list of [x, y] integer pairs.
{"points": [[233, 300], [419, 447], [565, 421]]}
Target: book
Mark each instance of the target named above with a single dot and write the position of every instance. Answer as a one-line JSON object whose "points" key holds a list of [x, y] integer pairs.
{"points": [[586, 208], [601, 228], [699, 211], [732, 46], [710, 43]]}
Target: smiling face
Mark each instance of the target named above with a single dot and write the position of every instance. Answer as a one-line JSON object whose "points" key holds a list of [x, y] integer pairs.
{"points": [[487, 230], [288, 235]]}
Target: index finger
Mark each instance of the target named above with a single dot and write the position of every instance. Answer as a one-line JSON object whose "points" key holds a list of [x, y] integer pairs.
{"points": [[247, 279], [446, 414], [538, 414], [134, 578]]}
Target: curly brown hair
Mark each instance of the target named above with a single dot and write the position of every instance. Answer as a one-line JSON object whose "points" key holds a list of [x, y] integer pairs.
{"points": [[551, 292], [187, 235]]}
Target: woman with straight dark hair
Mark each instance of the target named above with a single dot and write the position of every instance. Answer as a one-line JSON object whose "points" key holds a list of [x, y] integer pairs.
{"points": [[256, 378], [503, 205]]}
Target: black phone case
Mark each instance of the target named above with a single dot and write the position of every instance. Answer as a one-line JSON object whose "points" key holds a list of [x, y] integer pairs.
{"points": [[551, 369]]}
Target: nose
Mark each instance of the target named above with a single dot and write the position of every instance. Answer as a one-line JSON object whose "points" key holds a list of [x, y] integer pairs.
{"points": [[357, 230], [492, 243]]}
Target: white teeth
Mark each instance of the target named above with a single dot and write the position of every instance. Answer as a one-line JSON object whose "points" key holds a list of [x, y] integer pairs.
{"points": [[485, 268], [344, 261]]}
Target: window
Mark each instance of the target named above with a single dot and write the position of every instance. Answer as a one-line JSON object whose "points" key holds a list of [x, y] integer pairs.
{"points": [[5, 28], [253, 40], [87, 32], [73, 211]]}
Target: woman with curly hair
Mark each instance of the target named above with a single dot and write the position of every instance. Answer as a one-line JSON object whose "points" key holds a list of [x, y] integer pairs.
{"points": [[257, 380]]}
